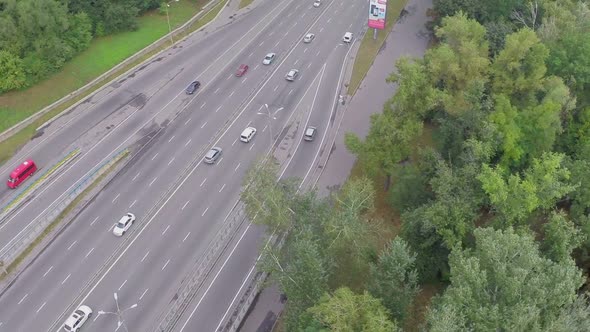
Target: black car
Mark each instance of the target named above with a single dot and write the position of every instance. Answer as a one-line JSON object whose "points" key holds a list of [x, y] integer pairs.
{"points": [[193, 87]]}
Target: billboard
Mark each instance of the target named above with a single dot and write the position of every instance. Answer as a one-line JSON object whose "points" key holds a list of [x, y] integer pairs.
{"points": [[377, 11]]}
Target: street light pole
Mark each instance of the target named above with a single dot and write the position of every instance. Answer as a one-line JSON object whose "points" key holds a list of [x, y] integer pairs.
{"points": [[270, 118], [118, 313], [168, 19]]}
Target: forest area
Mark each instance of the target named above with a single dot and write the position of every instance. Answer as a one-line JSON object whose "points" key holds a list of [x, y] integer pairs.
{"points": [[37, 37], [494, 205]]}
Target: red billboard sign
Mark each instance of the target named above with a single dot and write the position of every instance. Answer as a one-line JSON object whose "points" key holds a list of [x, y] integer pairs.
{"points": [[377, 13]]}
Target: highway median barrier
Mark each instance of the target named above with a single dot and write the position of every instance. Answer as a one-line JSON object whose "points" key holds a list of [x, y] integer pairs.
{"points": [[25, 192], [36, 233]]}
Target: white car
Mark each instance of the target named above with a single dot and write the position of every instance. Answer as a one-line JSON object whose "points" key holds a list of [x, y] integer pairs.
{"points": [[247, 135], [316, 3], [308, 38], [123, 225], [292, 75], [77, 319], [269, 58], [347, 37]]}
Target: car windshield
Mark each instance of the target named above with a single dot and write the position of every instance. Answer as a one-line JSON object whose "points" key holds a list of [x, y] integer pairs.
{"points": [[11, 180], [268, 57], [120, 225]]}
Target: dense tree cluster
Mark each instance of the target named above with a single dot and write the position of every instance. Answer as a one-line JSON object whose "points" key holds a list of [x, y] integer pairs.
{"points": [[37, 37], [496, 208]]}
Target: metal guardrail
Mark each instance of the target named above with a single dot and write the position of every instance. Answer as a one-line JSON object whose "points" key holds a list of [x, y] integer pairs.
{"points": [[19, 243], [24, 192]]}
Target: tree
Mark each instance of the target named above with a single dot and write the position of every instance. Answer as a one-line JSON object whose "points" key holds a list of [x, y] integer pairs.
{"points": [[394, 279], [519, 68], [504, 283], [348, 312], [561, 237], [410, 189], [11, 71], [460, 64]]}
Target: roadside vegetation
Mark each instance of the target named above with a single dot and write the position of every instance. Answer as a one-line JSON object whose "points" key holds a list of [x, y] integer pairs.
{"points": [[469, 205], [370, 47], [245, 3]]}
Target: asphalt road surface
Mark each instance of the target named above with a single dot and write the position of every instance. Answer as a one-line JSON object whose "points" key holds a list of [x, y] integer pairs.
{"points": [[151, 260]]}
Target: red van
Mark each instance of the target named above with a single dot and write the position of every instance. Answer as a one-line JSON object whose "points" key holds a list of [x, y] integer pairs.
{"points": [[21, 173]]}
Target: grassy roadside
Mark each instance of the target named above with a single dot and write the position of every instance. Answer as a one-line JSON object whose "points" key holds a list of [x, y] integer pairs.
{"points": [[245, 3], [16, 106], [369, 47], [57, 220]]}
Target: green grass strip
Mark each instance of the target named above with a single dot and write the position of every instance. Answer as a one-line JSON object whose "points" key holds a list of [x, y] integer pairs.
{"points": [[41, 179], [244, 3], [370, 47], [60, 218]]}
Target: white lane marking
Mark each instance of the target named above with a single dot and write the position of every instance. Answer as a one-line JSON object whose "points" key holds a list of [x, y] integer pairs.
{"points": [[188, 142], [276, 87], [187, 121], [296, 62], [271, 33], [350, 26], [171, 160], [89, 252], [251, 53], [194, 168], [71, 245], [244, 80], [135, 201], [154, 157], [185, 204], [66, 279], [203, 105], [114, 199], [252, 146], [187, 234], [111, 228], [50, 268], [217, 109], [164, 232], [93, 221], [214, 279], [203, 125], [123, 284], [290, 92], [163, 267], [154, 180], [309, 65], [41, 307], [277, 43], [220, 190], [328, 21], [232, 93], [235, 169], [256, 66], [286, 34], [219, 162], [318, 53], [249, 123], [234, 142], [263, 129], [24, 297], [216, 90], [144, 256], [135, 177], [302, 16], [207, 209], [143, 294], [230, 76], [171, 138], [294, 24], [202, 183]]}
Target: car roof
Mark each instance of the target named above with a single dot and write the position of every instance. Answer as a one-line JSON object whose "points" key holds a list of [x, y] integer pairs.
{"points": [[270, 54], [247, 130], [309, 130], [243, 65]]}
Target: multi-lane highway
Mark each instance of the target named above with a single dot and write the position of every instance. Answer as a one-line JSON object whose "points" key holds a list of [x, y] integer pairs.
{"points": [[180, 202]]}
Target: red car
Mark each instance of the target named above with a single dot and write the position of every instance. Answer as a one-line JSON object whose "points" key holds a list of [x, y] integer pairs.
{"points": [[242, 70]]}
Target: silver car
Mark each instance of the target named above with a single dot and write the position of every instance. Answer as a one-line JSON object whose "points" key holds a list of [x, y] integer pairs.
{"points": [[269, 58], [308, 38], [292, 75], [212, 156]]}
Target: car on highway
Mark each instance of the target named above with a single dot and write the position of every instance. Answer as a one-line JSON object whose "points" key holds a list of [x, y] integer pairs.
{"points": [[269, 58], [308, 38], [193, 87], [123, 225], [242, 70], [247, 135], [309, 134], [347, 37], [316, 3], [292, 75], [77, 319], [212, 155]]}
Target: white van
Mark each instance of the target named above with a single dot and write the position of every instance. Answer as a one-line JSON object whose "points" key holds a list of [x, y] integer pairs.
{"points": [[347, 37]]}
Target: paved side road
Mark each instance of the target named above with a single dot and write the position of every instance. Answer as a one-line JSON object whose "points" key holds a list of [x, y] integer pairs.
{"points": [[409, 37]]}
